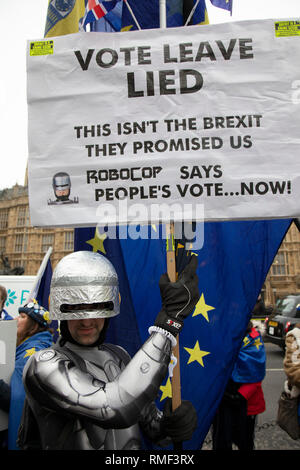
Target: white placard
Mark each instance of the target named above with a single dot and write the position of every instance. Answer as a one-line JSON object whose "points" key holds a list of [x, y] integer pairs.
{"points": [[18, 289], [182, 119], [8, 335]]}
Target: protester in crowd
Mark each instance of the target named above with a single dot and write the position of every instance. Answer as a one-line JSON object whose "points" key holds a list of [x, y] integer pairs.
{"points": [[33, 335], [259, 309], [243, 399], [291, 363], [86, 394], [4, 315]]}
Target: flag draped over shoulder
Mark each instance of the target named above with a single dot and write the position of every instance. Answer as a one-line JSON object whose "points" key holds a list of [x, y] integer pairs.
{"points": [[24, 351], [63, 17], [250, 366], [148, 18]]}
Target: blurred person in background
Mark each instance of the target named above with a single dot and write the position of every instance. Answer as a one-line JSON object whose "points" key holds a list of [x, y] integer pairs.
{"points": [[33, 334]]}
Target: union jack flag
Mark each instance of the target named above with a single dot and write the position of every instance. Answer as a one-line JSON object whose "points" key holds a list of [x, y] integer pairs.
{"points": [[96, 10]]}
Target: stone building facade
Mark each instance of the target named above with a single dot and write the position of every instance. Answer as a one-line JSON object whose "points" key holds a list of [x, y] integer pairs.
{"points": [[22, 244], [284, 275], [26, 246]]}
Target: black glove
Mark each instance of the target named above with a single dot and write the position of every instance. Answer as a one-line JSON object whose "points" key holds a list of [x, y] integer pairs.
{"points": [[181, 423], [232, 397], [234, 400], [178, 298]]}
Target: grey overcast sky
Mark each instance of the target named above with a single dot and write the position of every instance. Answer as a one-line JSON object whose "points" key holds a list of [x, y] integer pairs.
{"points": [[22, 20]]}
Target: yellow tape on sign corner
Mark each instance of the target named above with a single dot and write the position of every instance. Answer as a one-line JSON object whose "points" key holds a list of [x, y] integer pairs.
{"points": [[41, 47], [287, 28]]}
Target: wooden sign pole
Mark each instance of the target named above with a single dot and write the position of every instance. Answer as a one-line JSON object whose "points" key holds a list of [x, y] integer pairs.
{"points": [[171, 269]]}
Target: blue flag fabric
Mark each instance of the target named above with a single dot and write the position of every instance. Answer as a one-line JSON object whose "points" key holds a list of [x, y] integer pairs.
{"points": [[148, 18], [42, 297], [224, 4], [5, 315], [96, 10], [232, 266], [23, 352], [43, 293]]}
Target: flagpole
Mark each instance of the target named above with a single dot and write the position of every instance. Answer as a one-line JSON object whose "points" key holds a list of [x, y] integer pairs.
{"points": [[171, 261], [191, 13], [162, 14], [133, 15], [40, 273], [171, 269]]}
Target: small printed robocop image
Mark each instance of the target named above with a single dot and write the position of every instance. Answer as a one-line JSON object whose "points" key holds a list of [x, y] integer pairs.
{"points": [[61, 183]]}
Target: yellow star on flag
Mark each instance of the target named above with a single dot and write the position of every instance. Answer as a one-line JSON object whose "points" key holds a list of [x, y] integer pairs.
{"points": [[196, 354], [166, 390], [258, 343], [98, 242], [202, 308], [29, 352], [179, 247], [127, 28]]}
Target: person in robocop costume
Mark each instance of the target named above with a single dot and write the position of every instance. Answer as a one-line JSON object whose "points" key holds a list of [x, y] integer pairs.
{"points": [[85, 394]]}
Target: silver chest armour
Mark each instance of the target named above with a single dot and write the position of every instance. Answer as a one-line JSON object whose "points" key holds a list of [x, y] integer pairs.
{"points": [[102, 365], [100, 402]]}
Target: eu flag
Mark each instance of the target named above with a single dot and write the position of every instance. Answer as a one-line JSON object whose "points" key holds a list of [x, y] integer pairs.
{"points": [[232, 266]]}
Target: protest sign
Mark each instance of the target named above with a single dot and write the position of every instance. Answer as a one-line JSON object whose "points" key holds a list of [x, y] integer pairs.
{"points": [[8, 334], [166, 124]]}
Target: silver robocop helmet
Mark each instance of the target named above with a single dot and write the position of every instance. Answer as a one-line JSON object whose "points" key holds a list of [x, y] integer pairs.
{"points": [[61, 182], [84, 285]]}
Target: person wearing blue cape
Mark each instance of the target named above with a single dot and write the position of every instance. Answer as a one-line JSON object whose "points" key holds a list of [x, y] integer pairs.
{"points": [[33, 335], [243, 400]]}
